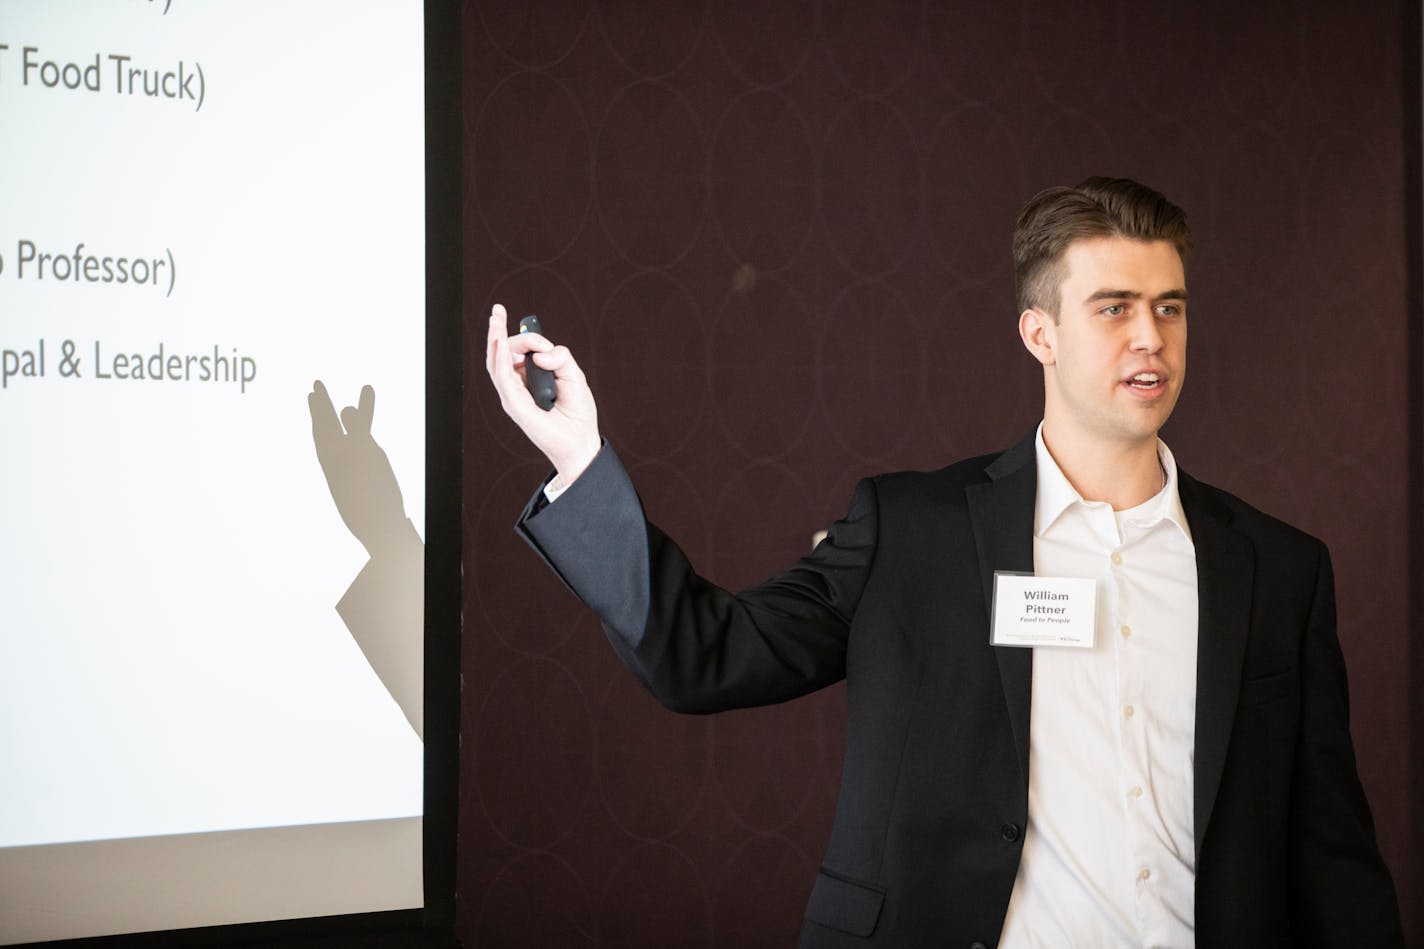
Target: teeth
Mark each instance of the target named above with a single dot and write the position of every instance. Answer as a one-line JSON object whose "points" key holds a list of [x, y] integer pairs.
{"points": [[1148, 377]]}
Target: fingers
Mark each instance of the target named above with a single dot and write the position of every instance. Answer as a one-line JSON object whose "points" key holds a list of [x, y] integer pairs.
{"points": [[499, 363], [367, 404], [522, 343], [325, 425], [358, 420], [561, 362], [498, 330]]}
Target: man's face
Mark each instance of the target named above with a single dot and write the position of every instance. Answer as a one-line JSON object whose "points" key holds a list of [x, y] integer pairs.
{"points": [[1116, 358]]}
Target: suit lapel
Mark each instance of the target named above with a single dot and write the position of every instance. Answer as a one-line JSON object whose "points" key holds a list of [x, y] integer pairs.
{"points": [[1001, 512], [1225, 564]]}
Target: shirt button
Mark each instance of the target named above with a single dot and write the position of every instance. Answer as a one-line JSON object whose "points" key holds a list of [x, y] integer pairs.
{"points": [[1135, 792], [1009, 832], [1126, 631], [1117, 559], [1144, 874], [1128, 711]]}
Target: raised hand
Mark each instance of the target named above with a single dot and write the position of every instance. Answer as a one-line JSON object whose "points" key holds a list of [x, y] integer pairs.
{"points": [[568, 433]]}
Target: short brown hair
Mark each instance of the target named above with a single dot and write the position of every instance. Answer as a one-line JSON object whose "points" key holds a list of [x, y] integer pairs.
{"points": [[1097, 207]]}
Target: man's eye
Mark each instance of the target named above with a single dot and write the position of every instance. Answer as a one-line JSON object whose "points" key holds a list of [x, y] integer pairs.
{"points": [[1116, 309], [1169, 309]]}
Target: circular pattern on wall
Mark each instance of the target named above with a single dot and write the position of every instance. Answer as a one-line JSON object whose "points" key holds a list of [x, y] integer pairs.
{"points": [[973, 189], [654, 897], [747, 906], [746, 548], [531, 129], [651, 39], [1359, 345], [533, 753], [1067, 147], [763, 399], [1156, 68], [1352, 98], [1257, 227], [986, 373], [1071, 53], [766, 761], [765, 43], [1241, 61], [536, 900], [650, 171], [762, 178], [967, 40], [873, 46], [649, 368], [1174, 166], [870, 326], [636, 737], [1349, 197], [1225, 377], [534, 33], [870, 187]]}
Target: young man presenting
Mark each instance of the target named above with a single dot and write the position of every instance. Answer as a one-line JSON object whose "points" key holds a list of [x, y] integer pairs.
{"points": [[1175, 769]]}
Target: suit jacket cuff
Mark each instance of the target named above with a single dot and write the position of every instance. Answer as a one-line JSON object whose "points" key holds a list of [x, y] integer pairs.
{"points": [[596, 539]]}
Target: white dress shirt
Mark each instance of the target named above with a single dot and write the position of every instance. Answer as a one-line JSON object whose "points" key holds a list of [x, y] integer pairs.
{"points": [[1109, 854]]}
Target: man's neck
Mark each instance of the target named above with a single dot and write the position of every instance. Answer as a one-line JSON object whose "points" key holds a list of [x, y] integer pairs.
{"points": [[1123, 474]]}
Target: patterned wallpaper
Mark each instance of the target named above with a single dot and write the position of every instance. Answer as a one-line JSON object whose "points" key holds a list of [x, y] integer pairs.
{"points": [[776, 235]]}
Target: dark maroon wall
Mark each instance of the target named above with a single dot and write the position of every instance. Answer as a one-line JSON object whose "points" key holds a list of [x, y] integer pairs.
{"points": [[776, 235]]}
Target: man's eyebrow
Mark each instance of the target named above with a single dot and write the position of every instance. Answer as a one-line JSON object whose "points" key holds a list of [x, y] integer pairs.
{"points": [[1107, 293]]}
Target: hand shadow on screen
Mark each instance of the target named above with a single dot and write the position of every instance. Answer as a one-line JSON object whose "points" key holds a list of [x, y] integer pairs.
{"points": [[384, 606]]}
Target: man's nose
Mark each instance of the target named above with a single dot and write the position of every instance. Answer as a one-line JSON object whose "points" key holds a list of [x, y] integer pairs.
{"points": [[1146, 337]]}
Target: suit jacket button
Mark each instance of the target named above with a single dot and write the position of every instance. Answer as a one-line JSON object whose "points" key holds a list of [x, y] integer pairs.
{"points": [[977, 945], [1009, 832]]}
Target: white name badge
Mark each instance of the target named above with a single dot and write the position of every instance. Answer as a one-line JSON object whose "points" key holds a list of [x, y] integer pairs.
{"points": [[1043, 611]]}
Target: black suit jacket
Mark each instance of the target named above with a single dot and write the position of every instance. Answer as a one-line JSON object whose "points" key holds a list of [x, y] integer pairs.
{"points": [[934, 796]]}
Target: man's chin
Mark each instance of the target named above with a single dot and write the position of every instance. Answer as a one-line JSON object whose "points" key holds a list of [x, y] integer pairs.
{"points": [[1143, 427], [1147, 419]]}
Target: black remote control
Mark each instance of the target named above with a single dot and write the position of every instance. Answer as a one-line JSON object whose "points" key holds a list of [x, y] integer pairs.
{"points": [[540, 381]]}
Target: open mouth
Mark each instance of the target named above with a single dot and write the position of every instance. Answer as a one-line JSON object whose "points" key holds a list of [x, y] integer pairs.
{"points": [[1146, 382]]}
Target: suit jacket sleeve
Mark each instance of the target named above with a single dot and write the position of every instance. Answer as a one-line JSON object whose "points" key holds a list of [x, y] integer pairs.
{"points": [[1342, 891], [696, 646]]}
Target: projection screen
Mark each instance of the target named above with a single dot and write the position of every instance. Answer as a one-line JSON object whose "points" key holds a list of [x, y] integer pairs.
{"points": [[212, 344]]}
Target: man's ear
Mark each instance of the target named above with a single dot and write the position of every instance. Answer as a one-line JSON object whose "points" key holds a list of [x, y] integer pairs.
{"points": [[1036, 331]]}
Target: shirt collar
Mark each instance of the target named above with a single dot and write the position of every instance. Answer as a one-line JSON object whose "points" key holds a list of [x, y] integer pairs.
{"points": [[1056, 494]]}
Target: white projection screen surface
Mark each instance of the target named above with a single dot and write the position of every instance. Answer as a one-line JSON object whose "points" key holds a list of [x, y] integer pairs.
{"points": [[211, 571]]}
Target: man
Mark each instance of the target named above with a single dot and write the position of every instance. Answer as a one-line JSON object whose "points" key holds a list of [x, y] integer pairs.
{"points": [[1183, 777]]}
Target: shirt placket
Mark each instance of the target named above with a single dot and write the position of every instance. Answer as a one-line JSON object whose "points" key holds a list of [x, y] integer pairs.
{"points": [[1122, 695], [1135, 715]]}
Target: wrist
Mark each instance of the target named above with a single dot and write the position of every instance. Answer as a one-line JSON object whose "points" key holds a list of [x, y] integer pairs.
{"points": [[568, 468]]}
